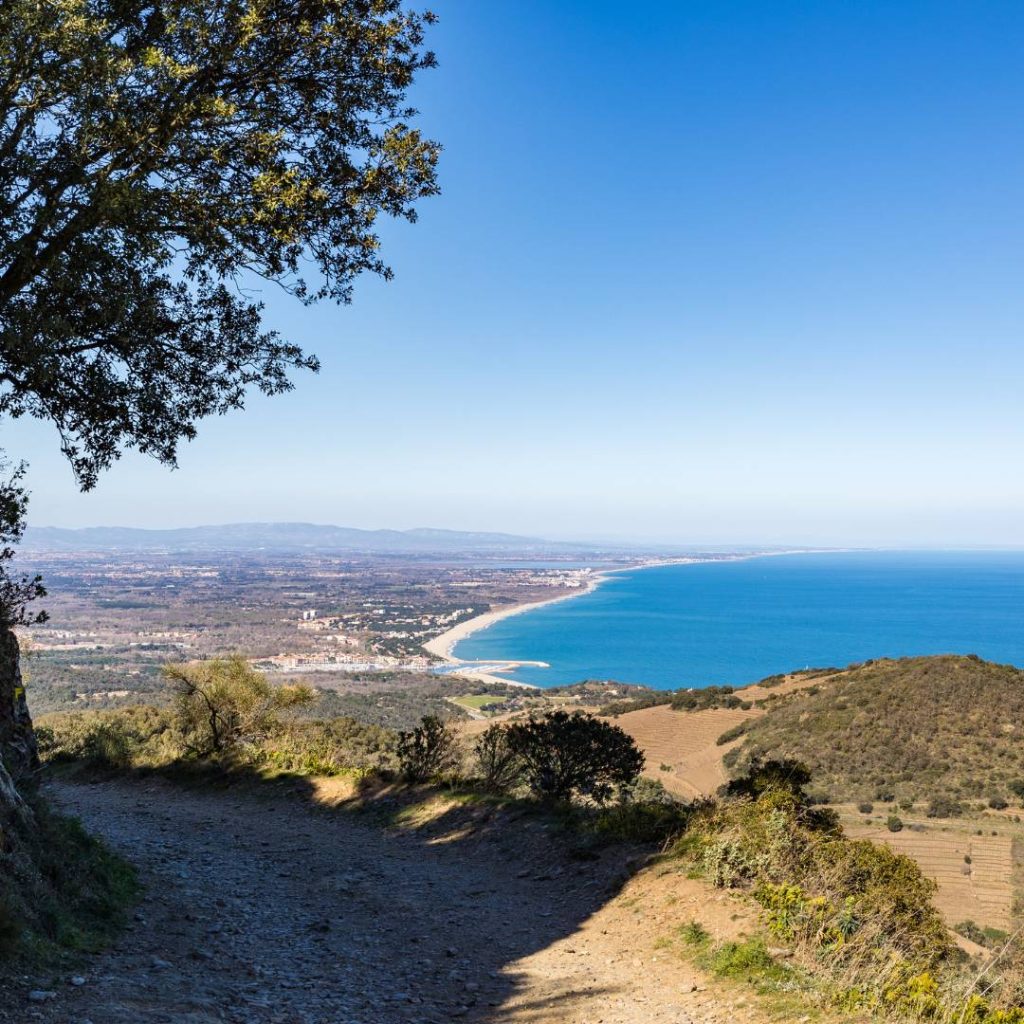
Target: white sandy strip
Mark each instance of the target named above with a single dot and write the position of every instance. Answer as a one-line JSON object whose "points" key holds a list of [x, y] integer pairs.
{"points": [[443, 645]]}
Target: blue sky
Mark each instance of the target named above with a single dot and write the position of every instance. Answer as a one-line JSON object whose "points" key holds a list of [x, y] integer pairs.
{"points": [[700, 272]]}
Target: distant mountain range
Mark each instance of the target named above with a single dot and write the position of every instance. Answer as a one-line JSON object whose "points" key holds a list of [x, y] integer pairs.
{"points": [[284, 537]]}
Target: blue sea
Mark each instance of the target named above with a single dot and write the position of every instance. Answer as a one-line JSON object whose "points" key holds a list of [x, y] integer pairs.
{"points": [[713, 623]]}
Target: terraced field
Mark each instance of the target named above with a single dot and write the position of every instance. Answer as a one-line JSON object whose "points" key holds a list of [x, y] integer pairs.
{"points": [[980, 890], [685, 743]]}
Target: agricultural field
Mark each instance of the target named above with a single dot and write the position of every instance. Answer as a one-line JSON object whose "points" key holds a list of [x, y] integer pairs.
{"points": [[974, 873], [681, 748], [477, 703]]}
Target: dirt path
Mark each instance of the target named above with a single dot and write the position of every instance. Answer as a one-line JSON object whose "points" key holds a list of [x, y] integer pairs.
{"points": [[273, 911]]}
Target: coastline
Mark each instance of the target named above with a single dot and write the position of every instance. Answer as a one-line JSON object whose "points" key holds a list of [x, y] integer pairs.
{"points": [[443, 645]]}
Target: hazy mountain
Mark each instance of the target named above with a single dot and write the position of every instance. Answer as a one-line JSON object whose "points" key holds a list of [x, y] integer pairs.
{"points": [[281, 537]]}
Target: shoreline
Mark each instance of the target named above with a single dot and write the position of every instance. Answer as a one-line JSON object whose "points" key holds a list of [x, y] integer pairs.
{"points": [[443, 645]]}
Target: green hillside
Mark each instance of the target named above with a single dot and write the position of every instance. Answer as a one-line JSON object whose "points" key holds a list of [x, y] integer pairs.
{"points": [[941, 728]]}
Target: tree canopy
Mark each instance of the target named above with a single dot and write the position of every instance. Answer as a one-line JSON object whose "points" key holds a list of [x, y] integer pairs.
{"points": [[567, 754], [160, 160]]}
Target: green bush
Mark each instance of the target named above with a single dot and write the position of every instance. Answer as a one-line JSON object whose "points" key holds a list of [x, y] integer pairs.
{"points": [[498, 765], [732, 734], [575, 755], [694, 934], [337, 746], [894, 823], [861, 911], [865, 807], [944, 807], [225, 703], [134, 737], [747, 961], [430, 751]]}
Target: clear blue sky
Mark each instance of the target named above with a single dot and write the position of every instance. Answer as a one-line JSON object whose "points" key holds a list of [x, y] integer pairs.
{"points": [[701, 272]]}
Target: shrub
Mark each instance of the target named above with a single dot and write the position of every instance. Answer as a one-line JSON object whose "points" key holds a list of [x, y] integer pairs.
{"points": [[973, 931], [648, 791], [498, 764], [732, 734], [997, 803], [944, 807], [430, 751], [865, 807], [860, 911], [641, 822], [337, 746], [894, 824], [135, 737], [784, 775], [566, 755], [225, 702], [694, 934]]}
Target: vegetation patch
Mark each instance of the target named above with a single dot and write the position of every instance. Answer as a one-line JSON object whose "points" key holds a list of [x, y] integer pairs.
{"points": [[857, 916], [941, 731], [61, 891]]}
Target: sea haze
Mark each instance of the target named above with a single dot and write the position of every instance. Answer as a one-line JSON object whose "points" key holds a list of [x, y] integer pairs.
{"points": [[713, 623]]}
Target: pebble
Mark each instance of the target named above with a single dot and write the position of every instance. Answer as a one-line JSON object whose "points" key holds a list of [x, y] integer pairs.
{"points": [[40, 995]]}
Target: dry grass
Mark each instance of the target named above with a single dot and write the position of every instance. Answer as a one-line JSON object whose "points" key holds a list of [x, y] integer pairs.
{"points": [[687, 741], [684, 741]]}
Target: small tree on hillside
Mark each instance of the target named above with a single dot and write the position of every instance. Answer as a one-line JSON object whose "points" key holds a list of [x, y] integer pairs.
{"points": [[786, 774], [430, 750], [226, 703], [498, 763], [577, 754]]}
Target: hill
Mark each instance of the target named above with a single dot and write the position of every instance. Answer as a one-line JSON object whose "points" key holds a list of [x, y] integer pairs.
{"points": [[938, 729], [279, 537]]}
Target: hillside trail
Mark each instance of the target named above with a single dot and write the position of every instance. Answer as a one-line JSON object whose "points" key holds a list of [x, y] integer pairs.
{"points": [[270, 909]]}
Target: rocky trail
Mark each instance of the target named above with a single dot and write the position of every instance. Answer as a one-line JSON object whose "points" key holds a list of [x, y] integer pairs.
{"points": [[272, 910]]}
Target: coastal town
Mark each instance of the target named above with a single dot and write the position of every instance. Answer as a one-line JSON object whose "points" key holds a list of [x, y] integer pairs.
{"points": [[115, 620]]}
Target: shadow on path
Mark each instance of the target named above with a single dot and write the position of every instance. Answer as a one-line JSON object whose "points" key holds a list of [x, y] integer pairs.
{"points": [[272, 907]]}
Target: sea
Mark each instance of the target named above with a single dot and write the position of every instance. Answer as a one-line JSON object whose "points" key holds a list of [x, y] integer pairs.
{"points": [[734, 622]]}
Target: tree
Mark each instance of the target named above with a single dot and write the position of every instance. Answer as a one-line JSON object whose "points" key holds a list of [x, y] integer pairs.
{"points": [[159, 161], [429, 751], [566, 755], [499, 765], [784, 774], [226, 703]]}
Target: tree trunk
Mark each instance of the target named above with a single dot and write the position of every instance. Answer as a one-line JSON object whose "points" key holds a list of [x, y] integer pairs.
{"points": [[18, 755]]}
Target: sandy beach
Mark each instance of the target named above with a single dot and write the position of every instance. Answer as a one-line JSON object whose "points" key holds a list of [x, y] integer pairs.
{"points": [[442, 646]]}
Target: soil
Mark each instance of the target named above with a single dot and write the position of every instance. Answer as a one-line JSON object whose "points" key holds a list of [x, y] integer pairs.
{"points": [[281, 909]]}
